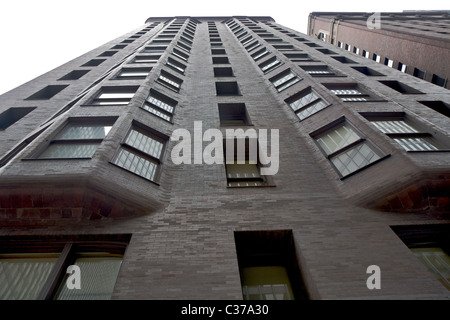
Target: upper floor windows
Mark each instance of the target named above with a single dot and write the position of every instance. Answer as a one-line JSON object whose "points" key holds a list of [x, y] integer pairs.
{"points": [[78, 139], [284, 80], [270, 64], [141, 152], [346, 149], [159, 105], [170, 81], [111, 96], [306, 103]]}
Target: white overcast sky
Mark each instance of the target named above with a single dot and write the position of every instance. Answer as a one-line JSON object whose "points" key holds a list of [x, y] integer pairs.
{"points": [[40, 35]]}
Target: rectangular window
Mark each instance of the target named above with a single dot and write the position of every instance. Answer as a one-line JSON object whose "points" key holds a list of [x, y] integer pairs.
{"points": [[12, 115], [419, 73], [284, 80], [175, 65], [402, 67], [270, 65], [36, 269], [403, 132], [180, 54], [159, 105], [110, 96], [376, 58], [77, 140], [233, 114], [146, 59], [306, 103], [242, 167], [253, 46], [350, 92], [346, 150], [438, 80], [366, 54], [47, 93], [169, 81], [388, 62], [319, 71], [400, 87], [268, 266], [430, 244], [230, 88], [141, 152], [133, 73], [298, 57], [260, 54]]}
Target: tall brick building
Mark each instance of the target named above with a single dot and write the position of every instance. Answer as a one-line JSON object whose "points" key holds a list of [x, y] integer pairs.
{"points": [[414, 42], [360, 197]]}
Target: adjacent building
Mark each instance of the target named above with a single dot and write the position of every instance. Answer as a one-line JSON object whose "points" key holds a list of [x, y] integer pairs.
{"points": [[414, 42], [125, 166]]}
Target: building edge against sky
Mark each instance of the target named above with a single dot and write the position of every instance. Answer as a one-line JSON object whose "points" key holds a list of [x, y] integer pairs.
{"points": [[87, 177]]}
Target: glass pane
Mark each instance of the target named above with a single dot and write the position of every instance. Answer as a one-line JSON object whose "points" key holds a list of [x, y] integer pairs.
{"points": [[337, 139], [437, 261], [416, 144], [98, 276], [160, 104], [78, 131], [61, 150], [136, 164], [22, 276], [354, 159], [242, 171], [116, 95], [266, 283], [394, 126], [303, 101], [155, 111], [144, 143], [308, 111]]}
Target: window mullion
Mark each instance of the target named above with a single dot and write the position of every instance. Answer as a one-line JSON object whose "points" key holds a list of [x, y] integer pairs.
{"points": [[58, 272]]}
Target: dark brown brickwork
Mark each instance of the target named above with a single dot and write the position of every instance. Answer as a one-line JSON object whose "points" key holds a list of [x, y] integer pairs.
{"points": [[183, 224]]}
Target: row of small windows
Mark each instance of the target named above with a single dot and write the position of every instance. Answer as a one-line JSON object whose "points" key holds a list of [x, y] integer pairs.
{"points": [[352, 152], [436, 79], [268, 264]]}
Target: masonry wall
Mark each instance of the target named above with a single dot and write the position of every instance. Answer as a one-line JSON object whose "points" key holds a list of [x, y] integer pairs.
{"points": [[182, 244]]}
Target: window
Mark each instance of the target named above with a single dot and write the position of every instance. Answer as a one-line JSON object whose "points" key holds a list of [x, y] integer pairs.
{"points": [[438, 106], [298, 57], [284, 80], [141, 152], [47, 93], [78, 139], [108, 54], [260, 54], [268, 266], [326, 51], [270, 65], [438, 80], [159, 105], [242, 168], [346, 150], [430, 244], [180, 54], [342, 59], [400, 87], [376, 58], [350, 92], [306, 103], [366, 54], [12, 115], [388, 62], [146, 59], [368, 71], [133, 73], [402, 67], [319, 71], [169, 81], [227, 89], [93, 63], [419, 73], [253, 46], [36, 269], [154, 49], [223, 72], [233, 114], [356, 50], [74, 75], [220, 60], [175, 65], [218, 51], [403, 132], [348, 47], [110, 96]]}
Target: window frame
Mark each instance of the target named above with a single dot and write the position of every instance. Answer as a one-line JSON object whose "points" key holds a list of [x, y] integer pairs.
{"points": [[360, 141], [152, 134], [67, 247]]}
